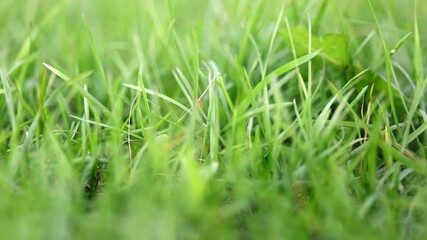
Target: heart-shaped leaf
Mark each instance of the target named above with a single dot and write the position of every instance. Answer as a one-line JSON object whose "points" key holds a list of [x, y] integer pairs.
{"points": [[334, 47]]}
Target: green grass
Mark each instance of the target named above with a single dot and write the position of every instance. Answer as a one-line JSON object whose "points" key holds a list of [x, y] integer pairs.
{"points": [[187, 119]]}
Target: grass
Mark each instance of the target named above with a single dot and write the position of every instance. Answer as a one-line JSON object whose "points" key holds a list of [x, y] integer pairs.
{"points": [[213, 119]]}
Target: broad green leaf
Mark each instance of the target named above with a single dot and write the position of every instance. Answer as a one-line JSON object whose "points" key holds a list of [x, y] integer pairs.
{"points": [[334, 47]]}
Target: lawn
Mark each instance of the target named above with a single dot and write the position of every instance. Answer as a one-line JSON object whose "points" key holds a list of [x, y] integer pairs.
{"points": [[213, 119]]}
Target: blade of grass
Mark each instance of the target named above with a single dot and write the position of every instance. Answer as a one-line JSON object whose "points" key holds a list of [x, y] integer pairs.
{"points": [[84, 93]]}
